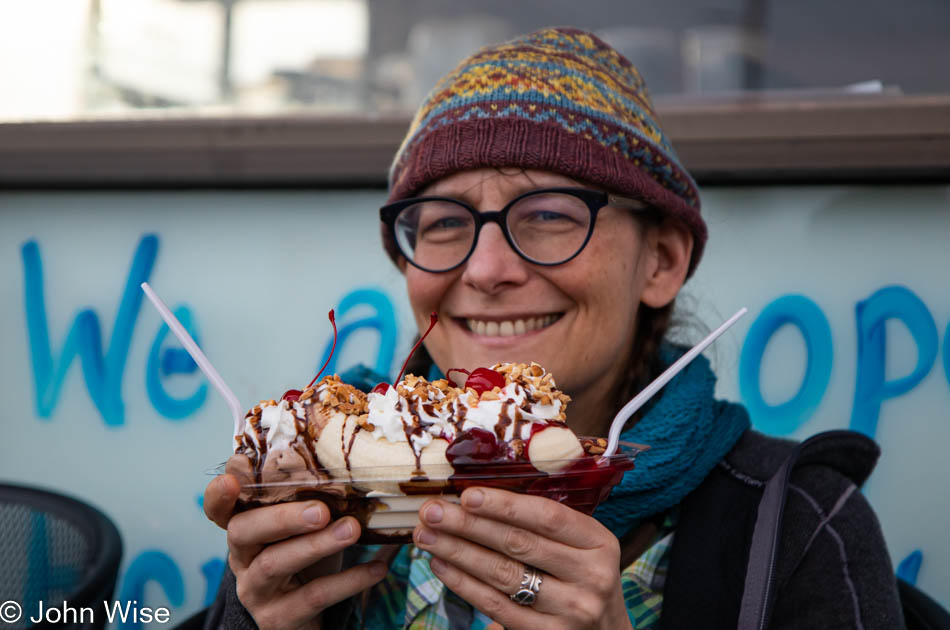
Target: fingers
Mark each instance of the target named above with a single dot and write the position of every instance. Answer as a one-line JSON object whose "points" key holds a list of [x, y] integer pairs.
{"points": [[512, 542], [489, 600], [250, 531], [542, 516], [493, 569], [299, 606], [219, 499], [324, 592], [276, 564]]}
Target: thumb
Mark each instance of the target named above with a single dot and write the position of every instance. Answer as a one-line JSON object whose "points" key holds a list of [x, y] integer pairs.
{"points": [[219, 499]]}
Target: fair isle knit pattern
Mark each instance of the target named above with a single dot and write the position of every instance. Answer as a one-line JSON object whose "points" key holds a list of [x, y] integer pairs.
{"points": [[561, 100]]}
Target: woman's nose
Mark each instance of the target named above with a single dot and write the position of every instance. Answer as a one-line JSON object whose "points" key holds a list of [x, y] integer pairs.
{"points": [[494, 265]]}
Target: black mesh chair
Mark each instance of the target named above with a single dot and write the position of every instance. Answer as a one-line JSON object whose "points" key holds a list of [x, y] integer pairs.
{"points": [[55, 549]]}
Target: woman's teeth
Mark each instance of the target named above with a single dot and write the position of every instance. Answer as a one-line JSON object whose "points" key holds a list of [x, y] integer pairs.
{"points": [[509, 328]]}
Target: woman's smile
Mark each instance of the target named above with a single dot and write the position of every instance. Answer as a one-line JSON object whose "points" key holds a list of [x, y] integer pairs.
{"points": [[505, 329]]}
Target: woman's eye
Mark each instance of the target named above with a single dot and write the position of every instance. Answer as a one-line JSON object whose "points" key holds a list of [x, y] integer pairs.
{"points": [[445, 228], [446, 223], [548, 215]]}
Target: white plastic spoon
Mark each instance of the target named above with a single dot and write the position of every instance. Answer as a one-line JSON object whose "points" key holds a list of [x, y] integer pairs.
{"points": [[613, 437], [233, 403]]}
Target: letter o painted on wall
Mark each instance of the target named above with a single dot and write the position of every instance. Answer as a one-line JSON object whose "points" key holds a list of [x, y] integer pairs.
{"points": [[799, 311]]}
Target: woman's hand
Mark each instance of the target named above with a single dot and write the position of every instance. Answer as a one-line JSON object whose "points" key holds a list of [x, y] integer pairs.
{"points": [[480, 550], [273, 547]]}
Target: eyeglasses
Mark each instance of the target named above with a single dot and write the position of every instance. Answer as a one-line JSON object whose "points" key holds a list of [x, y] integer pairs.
{"points": [[548, 227]]}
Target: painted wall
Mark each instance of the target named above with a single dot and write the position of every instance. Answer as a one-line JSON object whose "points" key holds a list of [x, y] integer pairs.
{"points": [[848, 329]]}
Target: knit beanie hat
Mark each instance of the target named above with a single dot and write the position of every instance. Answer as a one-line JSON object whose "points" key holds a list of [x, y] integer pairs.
{"points": [[558, 100]]}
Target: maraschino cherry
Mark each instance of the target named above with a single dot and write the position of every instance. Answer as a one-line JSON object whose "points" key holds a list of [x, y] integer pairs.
{"points": [[481, 379], [382, 388], [475, 446], [292, 395]]}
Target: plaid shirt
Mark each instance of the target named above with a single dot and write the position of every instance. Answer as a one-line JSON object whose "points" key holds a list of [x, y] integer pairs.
{"points": [[412, 598]]}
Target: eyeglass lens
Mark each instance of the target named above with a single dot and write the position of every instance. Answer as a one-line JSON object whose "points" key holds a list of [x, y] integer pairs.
{"points": [[547, 228]]}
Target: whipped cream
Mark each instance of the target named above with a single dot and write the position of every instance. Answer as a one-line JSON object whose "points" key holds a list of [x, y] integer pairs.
{"points": [[416, 411], [399, 418], [280, 423], [389, 414], [514, 402]]}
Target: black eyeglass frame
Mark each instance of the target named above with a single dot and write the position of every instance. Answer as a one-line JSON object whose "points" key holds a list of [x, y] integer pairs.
{"points": [[595, 200]]}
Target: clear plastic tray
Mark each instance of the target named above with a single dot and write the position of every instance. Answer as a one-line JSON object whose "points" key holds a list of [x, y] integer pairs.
{"points": [[386, 500]]}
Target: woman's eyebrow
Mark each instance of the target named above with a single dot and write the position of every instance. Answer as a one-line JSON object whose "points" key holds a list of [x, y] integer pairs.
{"points": [[516, 191]]}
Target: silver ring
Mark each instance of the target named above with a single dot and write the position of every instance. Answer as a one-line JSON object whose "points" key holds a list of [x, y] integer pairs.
{"points": [[530, 585]]}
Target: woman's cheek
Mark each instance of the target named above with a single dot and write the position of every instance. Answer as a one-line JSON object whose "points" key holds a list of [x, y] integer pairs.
{"points": [[425, 291]]}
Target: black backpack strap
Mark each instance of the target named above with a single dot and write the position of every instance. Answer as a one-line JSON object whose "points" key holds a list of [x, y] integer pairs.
{"points": [[758, 594]]}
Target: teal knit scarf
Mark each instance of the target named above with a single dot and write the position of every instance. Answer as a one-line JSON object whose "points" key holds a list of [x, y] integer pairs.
{"points": [[688, 432]]}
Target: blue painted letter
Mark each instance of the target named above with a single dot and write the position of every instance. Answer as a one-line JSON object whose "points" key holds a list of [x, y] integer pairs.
{"points": [[151, 565], [946, 353], [171, 361], [871, 388], [786, 417], [384, 321], [103, 373], [909, 567]]}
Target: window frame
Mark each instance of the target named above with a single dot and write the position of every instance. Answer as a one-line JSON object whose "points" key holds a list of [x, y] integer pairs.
{"points": [[746, 139]]}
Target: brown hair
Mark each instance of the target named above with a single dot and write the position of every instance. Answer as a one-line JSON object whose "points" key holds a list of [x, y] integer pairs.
{"points": [[644, 363]]}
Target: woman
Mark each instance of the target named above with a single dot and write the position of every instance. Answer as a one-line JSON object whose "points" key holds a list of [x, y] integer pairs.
{"points": [[599, 228]]}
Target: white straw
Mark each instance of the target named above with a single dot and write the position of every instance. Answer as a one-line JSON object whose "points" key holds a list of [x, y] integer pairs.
{"points": [[631, 407], [236, 409]]}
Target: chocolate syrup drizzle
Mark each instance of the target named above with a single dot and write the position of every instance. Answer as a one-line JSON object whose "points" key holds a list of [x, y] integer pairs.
{"points": [[307, 448], [256, 456], [346, 448], [503, 421], [417, 430], [303, 444]]}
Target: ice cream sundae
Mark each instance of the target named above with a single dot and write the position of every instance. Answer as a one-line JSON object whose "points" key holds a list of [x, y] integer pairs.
{"points": [[380, 455]]}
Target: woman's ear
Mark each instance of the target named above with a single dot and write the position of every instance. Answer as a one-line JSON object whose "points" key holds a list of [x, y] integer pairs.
{"points": [[669, 248]]}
